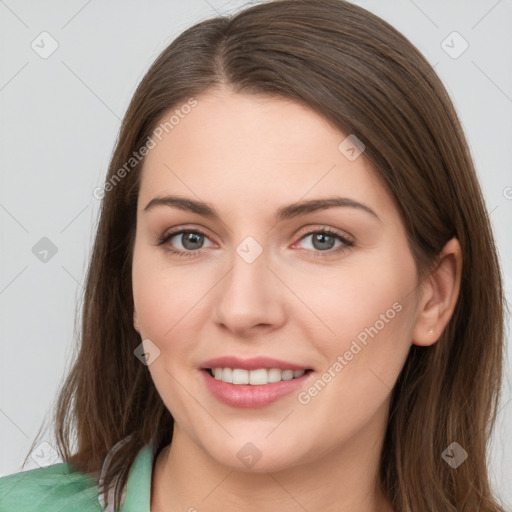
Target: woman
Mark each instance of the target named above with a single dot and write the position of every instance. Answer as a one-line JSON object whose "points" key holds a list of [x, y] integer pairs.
{"points": [[294, 300]]}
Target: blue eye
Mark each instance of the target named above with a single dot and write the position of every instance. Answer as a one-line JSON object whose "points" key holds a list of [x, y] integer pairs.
{"points": [[323, 242], [191, 240]]}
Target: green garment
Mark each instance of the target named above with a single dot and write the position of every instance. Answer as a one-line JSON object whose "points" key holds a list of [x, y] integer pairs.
{"points": [[57, 488]]}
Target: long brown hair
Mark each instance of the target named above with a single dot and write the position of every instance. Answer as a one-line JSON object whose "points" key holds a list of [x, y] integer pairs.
{"points": [[367, 79]]}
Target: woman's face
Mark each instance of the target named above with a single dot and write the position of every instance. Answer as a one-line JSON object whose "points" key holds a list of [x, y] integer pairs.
{"points": [[257, 278]]}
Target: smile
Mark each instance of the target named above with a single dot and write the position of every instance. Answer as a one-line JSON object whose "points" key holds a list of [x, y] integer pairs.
{"points": [[255, 382], [257, 377]]}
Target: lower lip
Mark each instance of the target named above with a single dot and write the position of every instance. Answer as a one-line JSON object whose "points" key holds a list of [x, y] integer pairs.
{"points": [[248, 396]]}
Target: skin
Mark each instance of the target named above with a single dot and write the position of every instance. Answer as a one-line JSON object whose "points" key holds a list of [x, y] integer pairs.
{"points": [[246, 156]]}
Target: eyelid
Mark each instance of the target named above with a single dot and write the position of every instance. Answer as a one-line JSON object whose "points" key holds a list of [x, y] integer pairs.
{"points": [[180, 230], [316, 228], [347, 241]]}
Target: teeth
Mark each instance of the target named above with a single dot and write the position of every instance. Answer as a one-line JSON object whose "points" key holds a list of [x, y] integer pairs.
{"points": [[274, 375], [258, 377], [240, 376], [227, 375], [287, 375]]}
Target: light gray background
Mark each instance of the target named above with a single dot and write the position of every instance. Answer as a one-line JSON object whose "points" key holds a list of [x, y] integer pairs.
{"points": [[59, 120]]}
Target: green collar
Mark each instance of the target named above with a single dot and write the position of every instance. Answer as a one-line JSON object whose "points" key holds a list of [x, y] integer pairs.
{"points": [[136, 495], [138, 487]]}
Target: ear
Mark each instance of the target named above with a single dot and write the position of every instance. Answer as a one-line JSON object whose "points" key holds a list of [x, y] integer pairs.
{"points": [[439, 295]]}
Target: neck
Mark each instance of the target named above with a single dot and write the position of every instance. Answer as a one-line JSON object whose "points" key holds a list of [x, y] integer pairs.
{"points": [[186, 478]]}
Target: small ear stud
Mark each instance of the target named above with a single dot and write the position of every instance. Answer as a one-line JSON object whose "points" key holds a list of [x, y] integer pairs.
{"points": [[430, 332]]}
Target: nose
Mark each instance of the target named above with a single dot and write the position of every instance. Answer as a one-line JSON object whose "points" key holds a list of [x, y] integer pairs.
{"points": [[250, 298]]}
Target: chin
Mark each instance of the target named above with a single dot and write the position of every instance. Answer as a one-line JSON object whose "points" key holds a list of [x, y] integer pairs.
{"points": [[258, 456]]}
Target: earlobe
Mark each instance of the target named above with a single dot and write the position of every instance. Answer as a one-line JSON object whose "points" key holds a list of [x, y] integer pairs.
{"points": [[439, 296]]}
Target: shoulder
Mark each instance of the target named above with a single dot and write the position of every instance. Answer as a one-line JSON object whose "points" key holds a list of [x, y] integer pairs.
{"points": [[56, 488]]}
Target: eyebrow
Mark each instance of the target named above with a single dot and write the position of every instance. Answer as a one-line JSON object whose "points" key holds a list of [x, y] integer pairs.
{"points": [[284, 213]]}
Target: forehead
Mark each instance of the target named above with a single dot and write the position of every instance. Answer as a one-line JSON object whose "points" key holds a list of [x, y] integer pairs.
{"points": [[237, 149]]}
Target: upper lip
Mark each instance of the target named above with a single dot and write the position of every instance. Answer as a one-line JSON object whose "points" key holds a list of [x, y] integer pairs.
{"points": [[252, 363]]}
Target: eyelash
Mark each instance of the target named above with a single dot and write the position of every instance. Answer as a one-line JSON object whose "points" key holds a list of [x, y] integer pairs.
{"points": [[347, 243]]}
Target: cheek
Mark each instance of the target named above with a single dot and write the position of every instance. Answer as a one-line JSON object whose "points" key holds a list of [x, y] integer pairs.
{"points": [[164, 296], [372, 317], [368, 314], [167, 299]]}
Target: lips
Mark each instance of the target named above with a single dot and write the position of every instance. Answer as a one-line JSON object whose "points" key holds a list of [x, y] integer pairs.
{"points": [[254, 363], [258, 394]]}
